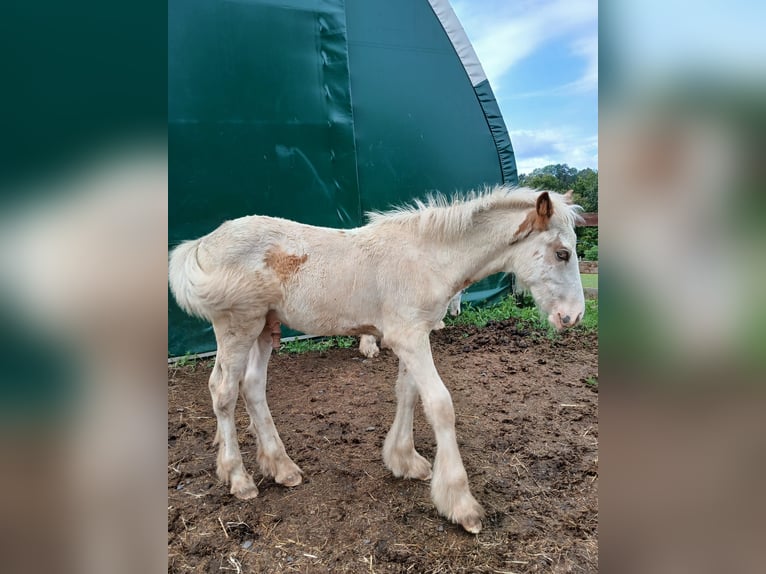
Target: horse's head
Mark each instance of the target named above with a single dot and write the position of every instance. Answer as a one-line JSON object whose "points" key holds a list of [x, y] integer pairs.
{"points": [[545, 261]]}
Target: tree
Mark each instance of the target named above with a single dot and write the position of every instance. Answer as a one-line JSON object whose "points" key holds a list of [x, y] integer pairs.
{"points": [[586, 190], [541, 181], [555, 177]]}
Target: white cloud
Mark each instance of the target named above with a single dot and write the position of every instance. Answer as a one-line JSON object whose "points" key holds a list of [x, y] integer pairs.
{"points": [[505, 33], [538, 148], [587, 48]]}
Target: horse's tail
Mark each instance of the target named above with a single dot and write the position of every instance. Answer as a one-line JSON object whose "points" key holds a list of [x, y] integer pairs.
{"points": [[187, 279]]}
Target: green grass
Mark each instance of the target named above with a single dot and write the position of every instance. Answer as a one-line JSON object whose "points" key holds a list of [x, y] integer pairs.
{"points": [[589, 280], [501, 311], [589, 322], [318, 344], [529, 315], [188, 359]]}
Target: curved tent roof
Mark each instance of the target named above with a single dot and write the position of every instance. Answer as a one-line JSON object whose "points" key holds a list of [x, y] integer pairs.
{"points": [[318, 111]]}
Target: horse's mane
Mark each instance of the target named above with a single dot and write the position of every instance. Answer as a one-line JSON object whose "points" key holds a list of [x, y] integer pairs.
{"points": [[450, 216]]}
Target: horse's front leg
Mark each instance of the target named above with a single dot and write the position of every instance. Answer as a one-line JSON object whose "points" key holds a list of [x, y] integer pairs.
{"points": [[399, 452], [449, 484]]}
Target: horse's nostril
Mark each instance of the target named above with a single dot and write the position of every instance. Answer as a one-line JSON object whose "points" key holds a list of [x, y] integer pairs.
{"points": [[565, 320]]}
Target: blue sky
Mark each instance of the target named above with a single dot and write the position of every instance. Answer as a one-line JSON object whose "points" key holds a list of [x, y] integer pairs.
{"points": [[541, 58]]}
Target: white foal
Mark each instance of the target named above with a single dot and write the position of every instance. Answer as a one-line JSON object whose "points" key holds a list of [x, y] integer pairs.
{"points": [[393, 279]]}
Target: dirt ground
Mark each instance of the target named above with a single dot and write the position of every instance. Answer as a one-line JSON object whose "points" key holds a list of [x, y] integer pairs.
{"points": [[527, 426]]}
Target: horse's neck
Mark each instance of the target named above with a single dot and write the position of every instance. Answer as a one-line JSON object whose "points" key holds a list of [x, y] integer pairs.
{"points": [[480, 251]]}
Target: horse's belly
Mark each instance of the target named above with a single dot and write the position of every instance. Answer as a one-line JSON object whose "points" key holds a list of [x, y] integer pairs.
{"points": [[311, 323]]}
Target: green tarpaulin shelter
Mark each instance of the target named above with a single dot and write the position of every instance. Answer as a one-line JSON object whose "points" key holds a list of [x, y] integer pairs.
{"points": [[318, 111]]}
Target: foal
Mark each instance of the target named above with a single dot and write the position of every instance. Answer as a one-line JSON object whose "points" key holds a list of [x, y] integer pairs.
{"points": [[391, 279]]}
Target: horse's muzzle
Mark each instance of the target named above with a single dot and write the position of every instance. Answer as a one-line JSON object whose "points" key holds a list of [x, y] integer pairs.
{"points": [[562, 322], [566, 320]]}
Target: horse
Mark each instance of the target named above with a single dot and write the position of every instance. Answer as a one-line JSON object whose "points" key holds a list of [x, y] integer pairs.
{"points": [[391, 278]]}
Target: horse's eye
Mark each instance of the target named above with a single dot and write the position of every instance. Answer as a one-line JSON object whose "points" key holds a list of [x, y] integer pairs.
{"points": [[562, 255]]}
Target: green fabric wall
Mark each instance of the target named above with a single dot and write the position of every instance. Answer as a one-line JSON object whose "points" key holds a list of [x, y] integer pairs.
{"points": [[419, 127], [314, 111]]}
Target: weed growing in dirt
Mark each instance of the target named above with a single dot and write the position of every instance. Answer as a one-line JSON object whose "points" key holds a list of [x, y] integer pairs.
{"points": [[320, 344], [188, 359], [592, 382]]}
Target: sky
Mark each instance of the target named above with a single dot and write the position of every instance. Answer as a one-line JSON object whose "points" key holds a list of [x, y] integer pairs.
{"points": [[541, 58]]}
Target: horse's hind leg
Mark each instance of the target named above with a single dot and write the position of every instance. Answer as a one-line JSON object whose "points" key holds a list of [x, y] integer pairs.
{"points": [[368, 347], [272, 457], [234, 343], [399, 452]]}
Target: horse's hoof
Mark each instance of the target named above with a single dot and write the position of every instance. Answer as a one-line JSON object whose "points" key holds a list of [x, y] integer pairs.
{"points": [[424, 477], [470, 518], [420, 469], [407, 465], [286, 473], [471, 524], [465, 511], [246, 492], [293, 479], [244, 488]]}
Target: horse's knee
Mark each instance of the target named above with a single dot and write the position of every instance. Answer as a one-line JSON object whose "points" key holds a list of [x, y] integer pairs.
{"points": [[405, 389], [225, 399], [215, 377]]}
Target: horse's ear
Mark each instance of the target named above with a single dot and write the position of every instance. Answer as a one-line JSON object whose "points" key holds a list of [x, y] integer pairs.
{"points": [[569, 196], [544, 206]]}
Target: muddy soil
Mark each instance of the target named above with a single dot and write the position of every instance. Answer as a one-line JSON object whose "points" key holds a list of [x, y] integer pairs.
{"points": [[527, 426]]}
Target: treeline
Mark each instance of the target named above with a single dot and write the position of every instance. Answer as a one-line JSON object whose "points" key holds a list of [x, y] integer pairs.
{"points": [[584, 182]]}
